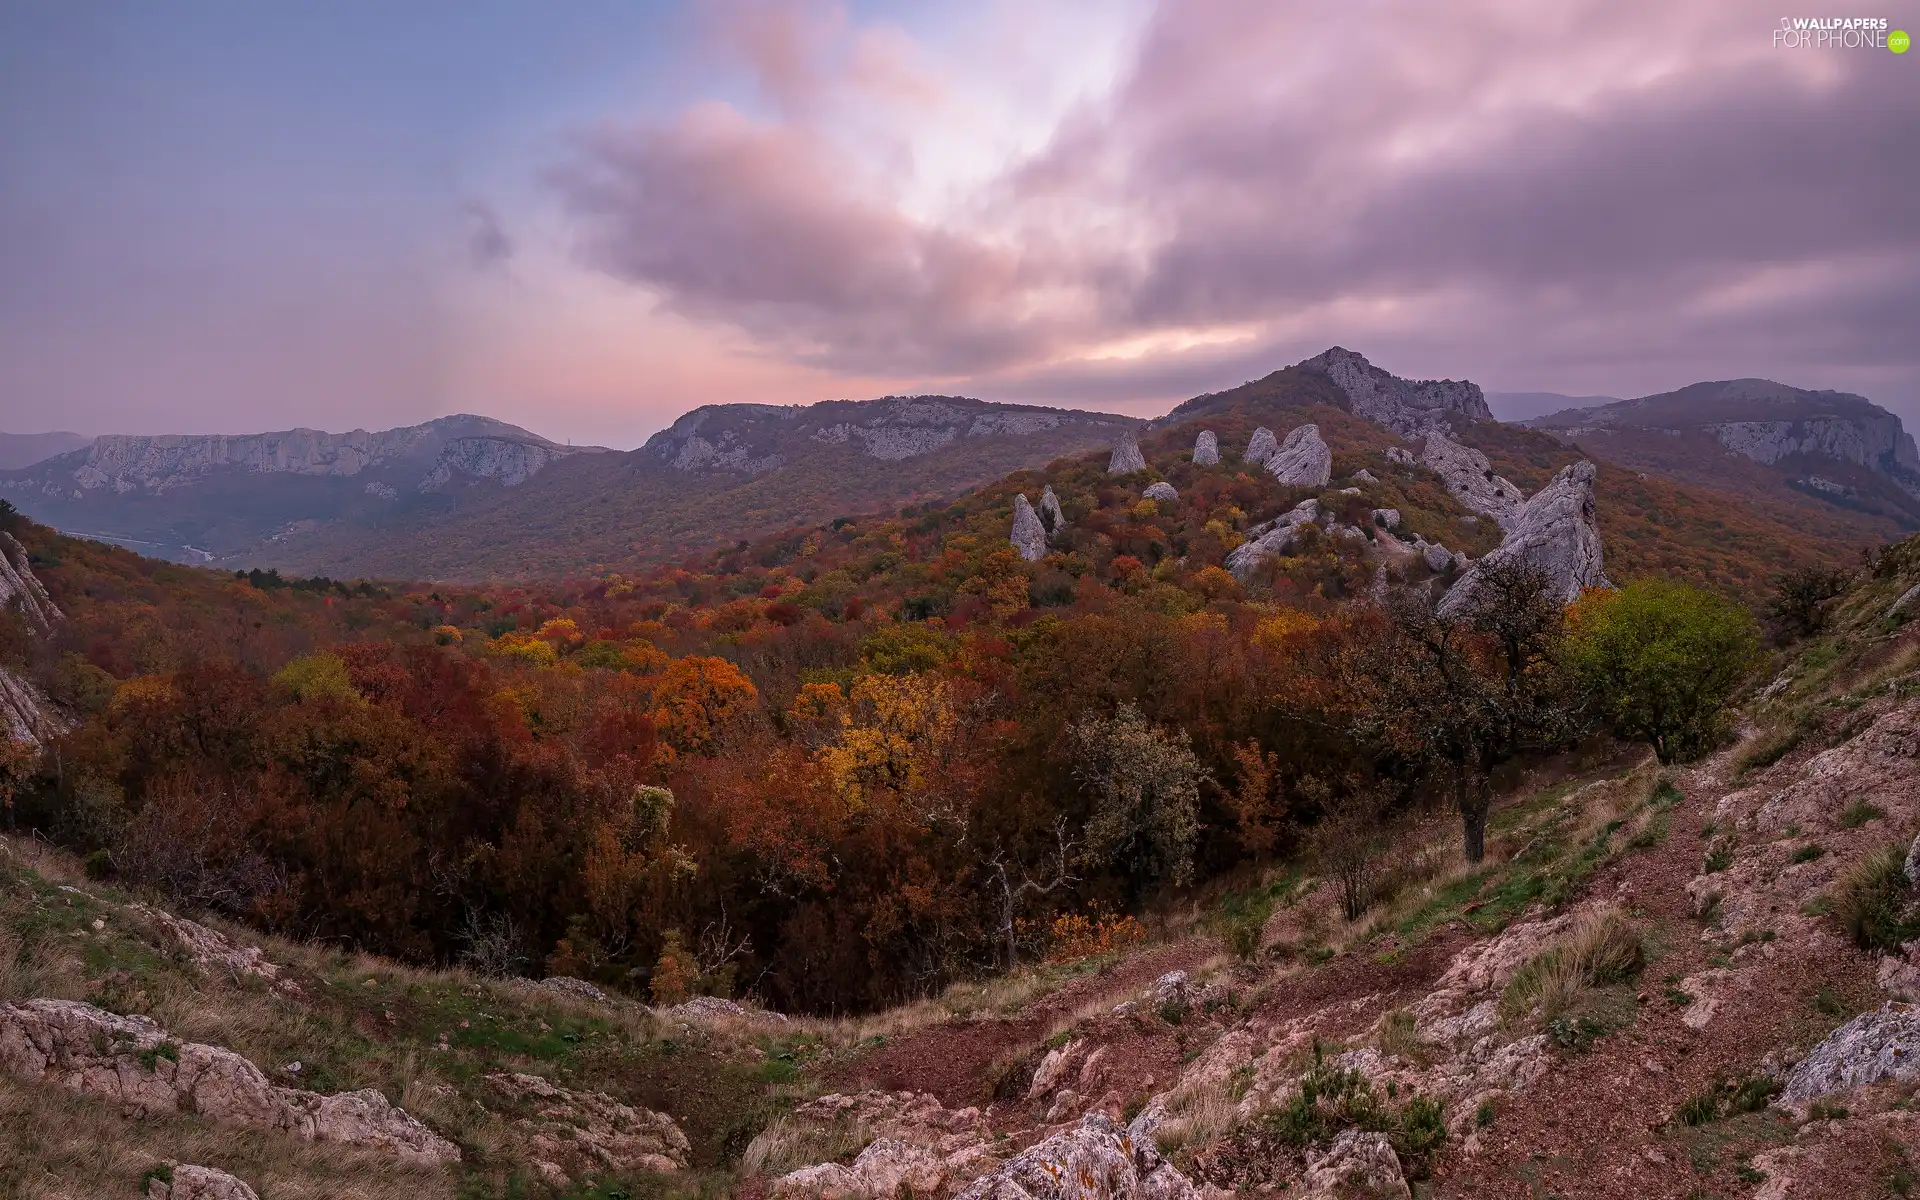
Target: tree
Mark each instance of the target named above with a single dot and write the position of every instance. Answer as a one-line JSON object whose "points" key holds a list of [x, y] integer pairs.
{"points": [[697, 700], [1799, 602], [1146, 787], [1659, 660]]}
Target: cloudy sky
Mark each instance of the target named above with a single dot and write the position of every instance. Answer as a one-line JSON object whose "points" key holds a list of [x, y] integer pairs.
{"points": [[591, 216]]}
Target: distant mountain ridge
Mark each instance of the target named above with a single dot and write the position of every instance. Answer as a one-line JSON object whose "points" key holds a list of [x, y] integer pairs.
{"points": [[24, 449], [1835, 447]]}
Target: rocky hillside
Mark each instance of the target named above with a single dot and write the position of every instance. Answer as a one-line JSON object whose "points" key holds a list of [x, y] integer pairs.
{"points": [[220, 498], [1663, 983], [1826, 449], [717, 475]]}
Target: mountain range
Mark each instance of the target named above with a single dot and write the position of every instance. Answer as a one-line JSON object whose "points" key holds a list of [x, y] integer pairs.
{"points": [[467, 497]]}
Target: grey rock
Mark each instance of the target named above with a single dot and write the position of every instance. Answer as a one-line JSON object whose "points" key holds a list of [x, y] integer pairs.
{"points": [[1469, 476], [1161, 491], [1051, 514], [1271, 540], [1366, 475], [1206, 449], [579, 1132], [1126, 456], [1303, 460], [1387, 518], [1029, 536], [506, 461], [1912, 867], [1555, 532], [1906, 603], [1094, 1160], [1437, 557], [1407, 406], [567, 985], [1358, 1163], [21, 591], [1261, 446], [1884, 1044], [187, 1182], [1396, 455], [26, 715]]}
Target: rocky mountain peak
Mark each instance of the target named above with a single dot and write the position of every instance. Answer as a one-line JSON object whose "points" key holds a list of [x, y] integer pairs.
{"points": [[1409, 407], [1556, 532]]}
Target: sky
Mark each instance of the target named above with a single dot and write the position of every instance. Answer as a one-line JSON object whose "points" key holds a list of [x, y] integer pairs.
{"points": [[587, 218]]}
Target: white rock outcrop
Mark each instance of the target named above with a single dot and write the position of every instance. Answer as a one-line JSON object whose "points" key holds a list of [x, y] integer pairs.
{"points": [[1357, 1164], [209, 949], [1126, 457], [130, 1061], [21, 591], [1271, 540], [1261, 446], [1407, 406], [1206, 449], [1029, 536], [1469, 476], [1054, 517], [1094, 1160], [1883, 1044], [1161, 490], [575, 1132], [508, 462], [181, 1181], [1303, 460], [1555, 532]]}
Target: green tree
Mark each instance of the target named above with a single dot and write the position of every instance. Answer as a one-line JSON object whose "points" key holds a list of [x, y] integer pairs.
{"points": [[1146, 786], [1658, 660]]}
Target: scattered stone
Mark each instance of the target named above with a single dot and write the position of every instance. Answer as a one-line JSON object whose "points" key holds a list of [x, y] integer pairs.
{"points": [[1884, 1044], [1366, 475], [1029, 536], [180, 1181], [567, 985], [589, 1131], [1172, 988], [1051, 514], [708, 1008], [1469, 476], [1094, 1160], [1396, 455], [1357, 1164], [1261, 446], [1161, 491], [209, 948], [1126, 456], [1303, 460], [1206, 449], [132, 1062], [1555, 532]]}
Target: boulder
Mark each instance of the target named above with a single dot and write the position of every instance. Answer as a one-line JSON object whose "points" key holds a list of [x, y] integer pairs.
{"points": [[130, 1061], [1172, 988], [1303, 460], [1358, 1164], [1469, 476], [1271, 540], [1555, 532], [179, 1181], [1051, 514], [1386, 518], [1437, 557], [1094, 1160], [1884, 1044], [1161, 491], [1396, 455], [1261, 446], [1029, 536], [1126, 456], [1366, 476], [1904, 606], [567, 985], [887, 1168], [1206, 449], [588, 1131]]}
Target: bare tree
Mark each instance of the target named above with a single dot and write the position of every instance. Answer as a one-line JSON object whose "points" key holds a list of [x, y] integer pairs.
{"points": [[1013, 882]]}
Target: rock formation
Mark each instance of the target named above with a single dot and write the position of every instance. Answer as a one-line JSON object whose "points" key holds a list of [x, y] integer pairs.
{"points": [[1397, 455], [1358, 1163], [1884, 1044], [130, 1061], [1303, 460], [21, 591], [1029, 536], [1161, 490], [916, 1144], [1051, 514], [506, 461], [1554, 532], [25, 714], [1408, 407], [1093, 1160], [1206, 449], [1261, 446], [209, 949], [1469, 476], [179, 1181], [1126, 456], [1271, 540], [1386, 518], [567, 1134]]}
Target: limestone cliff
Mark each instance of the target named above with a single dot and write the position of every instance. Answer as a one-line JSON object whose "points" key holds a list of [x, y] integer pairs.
{"points": [[1555, 532], [1407, 406]]}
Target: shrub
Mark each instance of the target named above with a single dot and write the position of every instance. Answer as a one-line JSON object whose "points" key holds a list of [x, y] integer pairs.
{"points": [[1854, 815], [1659, 660], [1601, 949], [1719, 858], [1873, 901]]}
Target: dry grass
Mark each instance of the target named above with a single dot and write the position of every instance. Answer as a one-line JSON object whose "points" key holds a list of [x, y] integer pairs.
{"points": [[787, 1145], [54, 1146], [1602, 948]]}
